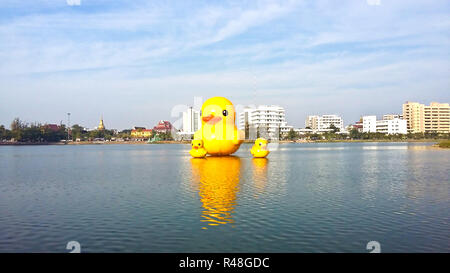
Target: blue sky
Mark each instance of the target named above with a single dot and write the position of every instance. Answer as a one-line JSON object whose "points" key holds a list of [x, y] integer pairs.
{"points": [[139, 62]]}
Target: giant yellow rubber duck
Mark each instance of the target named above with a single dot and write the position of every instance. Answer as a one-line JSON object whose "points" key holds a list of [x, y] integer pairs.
{"points": [[197, 149], [219, 134], [260, 148]]}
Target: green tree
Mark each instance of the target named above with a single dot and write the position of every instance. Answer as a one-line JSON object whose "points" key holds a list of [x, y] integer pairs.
{"points": [[31, 133], [17, 127], [77, 131], [355, 134], [164, 136], [334, 128], [4, 133], [125, 134], [96, 134], [50, 135], [292, 135]]}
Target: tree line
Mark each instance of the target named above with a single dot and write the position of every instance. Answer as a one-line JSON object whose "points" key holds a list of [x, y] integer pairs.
{"points": [[32, 132], [354, 134], [334, 134], [36, 132]]}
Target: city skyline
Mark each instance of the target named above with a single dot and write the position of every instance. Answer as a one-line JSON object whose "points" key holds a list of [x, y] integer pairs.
{"points": [[134, 62], [180, 119]]}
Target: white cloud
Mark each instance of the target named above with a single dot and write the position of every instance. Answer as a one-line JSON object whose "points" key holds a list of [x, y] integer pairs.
{"points": [[374, 2], [251, 18], [73, 2], [301, 57]]}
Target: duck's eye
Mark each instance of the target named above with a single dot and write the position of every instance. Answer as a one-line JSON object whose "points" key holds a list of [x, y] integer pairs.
{"points": [[225, 113], [259, 144], [199, 144]]}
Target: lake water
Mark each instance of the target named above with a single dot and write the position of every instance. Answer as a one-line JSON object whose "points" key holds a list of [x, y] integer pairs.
{"points": [[312, 197]]}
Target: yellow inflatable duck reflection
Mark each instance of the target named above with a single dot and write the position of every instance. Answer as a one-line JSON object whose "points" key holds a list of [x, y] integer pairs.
{"points": [[218, 186], [260, 148], [197, 149], [219, 134], [259, 174]]}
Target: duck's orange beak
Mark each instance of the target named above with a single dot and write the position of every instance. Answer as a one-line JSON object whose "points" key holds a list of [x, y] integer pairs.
{"points": [[196, 147], [211, 119]]}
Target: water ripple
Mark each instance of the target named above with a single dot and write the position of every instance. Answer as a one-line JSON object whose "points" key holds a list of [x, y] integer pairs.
{"points": [[155, 198]]}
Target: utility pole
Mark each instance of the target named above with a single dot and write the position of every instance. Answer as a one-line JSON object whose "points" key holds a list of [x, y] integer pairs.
{"points": [[68, 126]]}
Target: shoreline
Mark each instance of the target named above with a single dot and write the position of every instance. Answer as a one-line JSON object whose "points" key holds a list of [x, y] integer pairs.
{"points": [[245, 142]]}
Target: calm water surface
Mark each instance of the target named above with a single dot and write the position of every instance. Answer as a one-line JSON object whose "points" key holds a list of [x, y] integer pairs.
{"points": [[312, 197]]}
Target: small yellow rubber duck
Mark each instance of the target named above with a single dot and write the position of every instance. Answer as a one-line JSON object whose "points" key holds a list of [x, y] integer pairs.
{"points": [[197, 149], [259, 149]]}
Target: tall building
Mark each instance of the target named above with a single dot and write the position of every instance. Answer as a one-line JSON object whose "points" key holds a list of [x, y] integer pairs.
{"points": [[413, 113], [324, 122], [270, 118], [191, 121], [437, 118], [369, 124], [427, 118]]}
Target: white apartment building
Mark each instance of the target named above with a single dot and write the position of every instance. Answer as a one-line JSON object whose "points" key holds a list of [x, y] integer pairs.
{"points": [[392, 126], [270, 117], [323, 123], [369, 124], [191, 123], [392, 116]]}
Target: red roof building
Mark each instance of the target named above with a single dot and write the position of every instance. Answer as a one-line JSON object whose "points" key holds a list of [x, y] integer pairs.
{"points": [[163, 126], [358, 126], [52, 127]]}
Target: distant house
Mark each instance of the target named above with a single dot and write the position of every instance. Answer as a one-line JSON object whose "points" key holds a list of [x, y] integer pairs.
{"points": [[141, 133], [163, 126], [53, 127], [358, 126]]}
